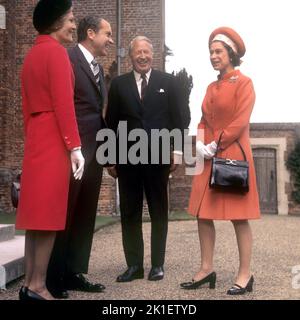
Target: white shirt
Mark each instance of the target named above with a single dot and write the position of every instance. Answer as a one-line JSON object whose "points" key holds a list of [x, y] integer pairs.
{"points": [[138, 79], [177, 153], [88, 56]]}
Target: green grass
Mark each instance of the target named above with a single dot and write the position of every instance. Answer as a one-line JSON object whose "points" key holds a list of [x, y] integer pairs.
{"points": [[10, 218], [180, 215], [101, 221]]}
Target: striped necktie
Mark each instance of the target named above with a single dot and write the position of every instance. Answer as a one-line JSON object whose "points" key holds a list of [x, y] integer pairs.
{"points": [[96, 71], [144, 85]]}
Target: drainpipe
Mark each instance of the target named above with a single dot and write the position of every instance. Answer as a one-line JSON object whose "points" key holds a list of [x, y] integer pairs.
{"points": [[120, 50], [119, 56]]}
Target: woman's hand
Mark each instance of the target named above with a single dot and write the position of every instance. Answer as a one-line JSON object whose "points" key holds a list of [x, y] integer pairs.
{"points": [[206, 151], [77, 161]]}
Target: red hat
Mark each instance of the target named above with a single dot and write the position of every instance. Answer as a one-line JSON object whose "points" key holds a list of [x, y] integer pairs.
{"points": [[230, 37]]}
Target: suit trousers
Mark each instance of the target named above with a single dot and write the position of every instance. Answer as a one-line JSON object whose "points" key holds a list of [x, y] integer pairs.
{"points": [[72, 246], [134, 180]]}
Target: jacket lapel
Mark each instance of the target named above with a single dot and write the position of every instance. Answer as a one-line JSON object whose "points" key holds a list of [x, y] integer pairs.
{"points": [[86, 68]]}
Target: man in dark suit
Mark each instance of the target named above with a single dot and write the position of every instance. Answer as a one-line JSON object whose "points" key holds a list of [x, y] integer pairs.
{"points": [[72, 247], [146, 99]]}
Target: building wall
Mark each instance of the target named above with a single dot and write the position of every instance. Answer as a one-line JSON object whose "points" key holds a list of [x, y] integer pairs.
{"points": [[138, 17], [8, 96], [282, 137]]}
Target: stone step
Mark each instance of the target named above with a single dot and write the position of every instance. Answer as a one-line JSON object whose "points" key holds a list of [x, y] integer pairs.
{"points": [[11, 260], [7, 232]]}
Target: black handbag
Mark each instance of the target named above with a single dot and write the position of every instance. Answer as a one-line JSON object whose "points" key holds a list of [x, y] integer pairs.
{"points": [[15, 191], [228, 174]]}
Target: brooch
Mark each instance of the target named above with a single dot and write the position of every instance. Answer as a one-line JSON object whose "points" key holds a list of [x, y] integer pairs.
{"points": [[233, 78]]}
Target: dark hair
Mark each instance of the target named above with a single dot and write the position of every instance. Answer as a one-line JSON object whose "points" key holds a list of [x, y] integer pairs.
{"points": [[58, 24], [234, 57], [89, 22]]}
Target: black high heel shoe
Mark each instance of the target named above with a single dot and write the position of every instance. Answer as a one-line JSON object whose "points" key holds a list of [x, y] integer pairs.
{"points": [[31, 295], [237, 289], [211, 279], [23, 293]]}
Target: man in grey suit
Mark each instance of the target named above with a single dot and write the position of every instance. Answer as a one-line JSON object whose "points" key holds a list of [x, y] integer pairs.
{"points": [[72, 247]]}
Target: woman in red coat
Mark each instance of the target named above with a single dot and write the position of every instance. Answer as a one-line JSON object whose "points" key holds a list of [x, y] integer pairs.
{"points": [[226, 111], [51, 141]]}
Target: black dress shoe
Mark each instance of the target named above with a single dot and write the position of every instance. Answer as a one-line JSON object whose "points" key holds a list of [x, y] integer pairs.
{"points": [[56, 287], [58, 293], [156, 273], [211, 279], [132, 273], [22, 293], [78, 282], [31, 295], [237, 289]]}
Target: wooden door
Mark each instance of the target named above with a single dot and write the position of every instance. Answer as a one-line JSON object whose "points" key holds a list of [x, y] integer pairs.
{"points": [[266, 177]]}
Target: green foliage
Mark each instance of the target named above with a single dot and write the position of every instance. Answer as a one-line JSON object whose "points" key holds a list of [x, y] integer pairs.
{"points": [[293, 164], [184, 85]]}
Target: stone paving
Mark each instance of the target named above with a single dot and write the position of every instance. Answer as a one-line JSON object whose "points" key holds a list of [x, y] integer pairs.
{"points": [[276, 252]]}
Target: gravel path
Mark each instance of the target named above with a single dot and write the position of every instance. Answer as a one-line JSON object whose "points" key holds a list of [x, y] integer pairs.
{"points": [[276, 251]]}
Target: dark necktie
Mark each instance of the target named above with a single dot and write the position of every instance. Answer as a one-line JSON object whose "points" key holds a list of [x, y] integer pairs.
{"points": [[96, 71], [143, 86], [99, 78]]}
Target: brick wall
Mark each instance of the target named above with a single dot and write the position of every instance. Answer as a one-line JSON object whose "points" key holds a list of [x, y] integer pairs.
{"points": [[139, 17], [8, 96]]}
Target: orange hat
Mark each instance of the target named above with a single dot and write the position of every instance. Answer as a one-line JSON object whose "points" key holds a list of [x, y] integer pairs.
{"points": [[230, 37]]}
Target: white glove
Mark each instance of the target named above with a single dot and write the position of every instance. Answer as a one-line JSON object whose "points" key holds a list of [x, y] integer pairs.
{"points": [[212, 147], [206, 151], [77, 161]]}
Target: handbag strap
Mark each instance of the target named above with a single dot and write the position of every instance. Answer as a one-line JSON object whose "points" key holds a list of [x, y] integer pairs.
{"points": [[237, 141]]}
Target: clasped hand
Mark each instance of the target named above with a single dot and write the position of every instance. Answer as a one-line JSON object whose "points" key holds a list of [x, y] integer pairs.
{"points": [[206, 151]]}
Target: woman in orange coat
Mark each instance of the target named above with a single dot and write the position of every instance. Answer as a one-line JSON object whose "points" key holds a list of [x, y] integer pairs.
{"points": [[51, 141], [226, 110]]}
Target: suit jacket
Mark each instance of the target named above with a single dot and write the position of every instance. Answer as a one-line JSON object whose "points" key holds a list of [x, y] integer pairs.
{"points": [[159, 109], [89, 99]]}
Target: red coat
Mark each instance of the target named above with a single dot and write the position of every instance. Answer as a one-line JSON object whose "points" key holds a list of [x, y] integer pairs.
{"points": [[50, 132], [226, 108]]}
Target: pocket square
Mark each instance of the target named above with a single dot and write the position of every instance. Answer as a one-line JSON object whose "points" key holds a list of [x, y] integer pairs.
{"points": [[161, 90]]}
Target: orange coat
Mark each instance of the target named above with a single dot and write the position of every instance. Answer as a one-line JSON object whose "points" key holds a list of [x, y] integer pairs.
{"points": [[226, 108]]}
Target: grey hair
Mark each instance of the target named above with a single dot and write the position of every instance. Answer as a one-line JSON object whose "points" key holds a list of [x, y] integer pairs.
{"points": [[139, 38]]}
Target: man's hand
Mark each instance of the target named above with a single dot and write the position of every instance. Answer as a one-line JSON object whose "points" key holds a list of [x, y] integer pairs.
{"points": [[175, 158], [112, 171]]}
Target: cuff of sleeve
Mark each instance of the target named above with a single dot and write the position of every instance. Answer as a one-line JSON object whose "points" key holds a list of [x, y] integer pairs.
{"points": [[178, 152]]}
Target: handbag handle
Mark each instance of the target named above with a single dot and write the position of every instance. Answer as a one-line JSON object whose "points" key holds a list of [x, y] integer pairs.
{"points": [[237, 141]]}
